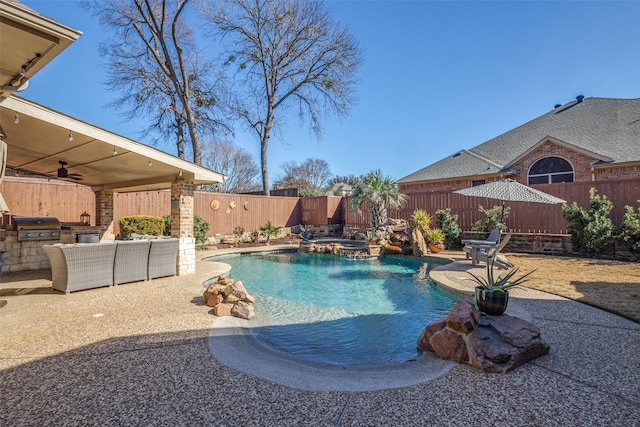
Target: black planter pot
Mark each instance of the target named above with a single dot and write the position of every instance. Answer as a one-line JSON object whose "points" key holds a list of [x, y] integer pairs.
{"points": [[492, 302]]}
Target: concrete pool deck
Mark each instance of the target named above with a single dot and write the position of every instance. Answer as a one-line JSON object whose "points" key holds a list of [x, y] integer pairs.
{"points": [[139, 353]]}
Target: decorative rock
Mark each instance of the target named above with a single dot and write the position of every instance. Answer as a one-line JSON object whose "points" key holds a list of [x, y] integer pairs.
{"points": [[418, 244], [428, 332], [503, 343], [449, 345], [223, 309], [489, 343], [234, 297], [225, 281], [229, 298], [214, 299], [463, 318], [213, 289], [392, 250], [243, 310]]}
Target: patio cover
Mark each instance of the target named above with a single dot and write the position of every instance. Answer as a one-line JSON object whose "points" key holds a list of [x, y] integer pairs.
{"points": [[28, 42], [95, 157]]}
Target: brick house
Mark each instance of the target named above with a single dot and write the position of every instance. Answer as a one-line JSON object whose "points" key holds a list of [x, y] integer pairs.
{"points": [[586, 140]]}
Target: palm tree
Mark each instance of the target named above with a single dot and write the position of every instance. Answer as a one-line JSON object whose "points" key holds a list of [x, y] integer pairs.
{"points": [[381, 192]]}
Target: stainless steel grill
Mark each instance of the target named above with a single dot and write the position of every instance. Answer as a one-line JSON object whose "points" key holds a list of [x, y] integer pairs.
{"points": [[37, 228]]}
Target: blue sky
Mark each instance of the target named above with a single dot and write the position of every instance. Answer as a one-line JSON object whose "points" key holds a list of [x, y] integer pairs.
{"points": [[437, 77]]}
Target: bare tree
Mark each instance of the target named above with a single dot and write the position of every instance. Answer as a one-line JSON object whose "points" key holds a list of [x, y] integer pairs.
{"points": [[310, 176], [237, 164], [154, 63], [288, 53], [350, 179]]}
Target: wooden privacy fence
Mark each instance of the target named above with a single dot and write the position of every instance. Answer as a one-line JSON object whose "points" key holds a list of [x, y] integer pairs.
{"points": [[249, 212], [224, 212], [67, 201], [524, 217]]}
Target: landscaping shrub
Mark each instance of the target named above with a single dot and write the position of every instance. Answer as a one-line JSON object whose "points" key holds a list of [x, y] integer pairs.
{"points": [[448, 223], [422, 221], [492, 219], [270, 230], [141, 224], [631, 228], [591, 231], [200, 228]]}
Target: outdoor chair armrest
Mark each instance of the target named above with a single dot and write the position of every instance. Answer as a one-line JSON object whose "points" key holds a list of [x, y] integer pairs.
{"points": [[483, 245], [471, 241]]}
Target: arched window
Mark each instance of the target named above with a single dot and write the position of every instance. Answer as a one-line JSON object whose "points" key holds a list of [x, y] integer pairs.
{"points": [[550, 170]]}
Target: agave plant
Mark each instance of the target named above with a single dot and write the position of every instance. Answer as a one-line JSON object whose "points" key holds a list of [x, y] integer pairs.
{"points": [[371, 236], [492, 283]]}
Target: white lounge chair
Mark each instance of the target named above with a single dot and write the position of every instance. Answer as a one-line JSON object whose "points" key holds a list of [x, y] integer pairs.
{"points": [[470, 246], [493, 251]]}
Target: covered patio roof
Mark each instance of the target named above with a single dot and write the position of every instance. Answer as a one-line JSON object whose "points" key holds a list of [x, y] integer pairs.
{"points": [[94, 157], [28, 42]]}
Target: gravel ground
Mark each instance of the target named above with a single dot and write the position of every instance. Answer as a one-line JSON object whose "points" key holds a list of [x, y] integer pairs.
{"points": [[137, 354]]}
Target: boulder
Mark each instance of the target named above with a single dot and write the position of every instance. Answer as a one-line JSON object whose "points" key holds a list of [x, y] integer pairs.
{"points": [[225, 281], [223, 309], [463, 318], [418, 244], [392, 250], [449, 345], [488, 343], [428, 332], [242, 310], [229, 298], [213, 289], [234, 297], [214, 300], [502, 343]]}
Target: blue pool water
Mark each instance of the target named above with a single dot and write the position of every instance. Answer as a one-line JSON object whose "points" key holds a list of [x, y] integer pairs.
{"points": [[341, 311]]}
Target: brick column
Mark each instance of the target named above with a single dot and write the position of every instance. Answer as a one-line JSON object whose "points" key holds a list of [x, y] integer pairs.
{"points": [[104, 213], [182, 224]]}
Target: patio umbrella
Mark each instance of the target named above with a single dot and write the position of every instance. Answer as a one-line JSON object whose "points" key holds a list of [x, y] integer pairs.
{"points": [[509, 190]]}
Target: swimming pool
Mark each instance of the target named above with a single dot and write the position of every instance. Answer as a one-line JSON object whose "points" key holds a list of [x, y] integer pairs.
{"points": [[340, 311]]}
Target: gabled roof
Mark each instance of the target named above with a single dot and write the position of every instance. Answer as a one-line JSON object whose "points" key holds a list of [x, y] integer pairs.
{"points": [[608, 128]]}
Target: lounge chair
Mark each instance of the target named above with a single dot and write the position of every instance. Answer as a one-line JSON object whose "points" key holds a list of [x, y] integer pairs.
{"points": [[470, 246], [493, 251]]}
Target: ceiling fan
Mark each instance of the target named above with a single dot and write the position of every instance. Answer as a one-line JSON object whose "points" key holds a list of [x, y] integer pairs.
{"points": [[63, 173]]}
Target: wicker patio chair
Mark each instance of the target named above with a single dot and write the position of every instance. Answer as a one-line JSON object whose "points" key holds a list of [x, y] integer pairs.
{"points": [[81, 266], [163, 258], [131, 262]]}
